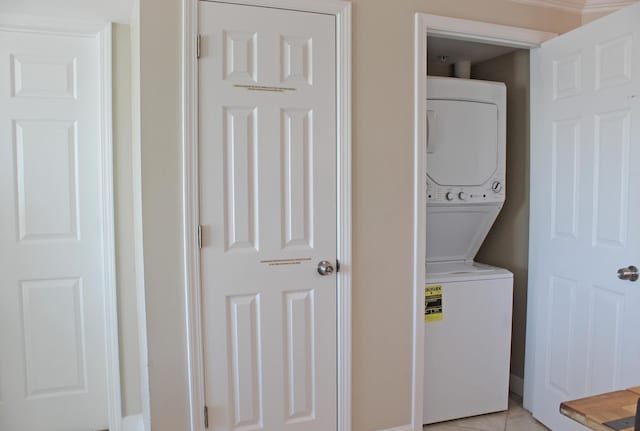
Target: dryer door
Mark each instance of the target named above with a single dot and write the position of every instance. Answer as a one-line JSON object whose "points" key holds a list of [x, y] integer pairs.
{"points": [[462, 142]]}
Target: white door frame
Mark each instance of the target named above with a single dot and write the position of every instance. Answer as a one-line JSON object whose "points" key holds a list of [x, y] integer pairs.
{"points": [[342, 12], [101, 31], [453, 28]]}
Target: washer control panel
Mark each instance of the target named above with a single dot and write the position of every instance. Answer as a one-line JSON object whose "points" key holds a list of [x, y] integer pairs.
{"points": [[491, 191]]}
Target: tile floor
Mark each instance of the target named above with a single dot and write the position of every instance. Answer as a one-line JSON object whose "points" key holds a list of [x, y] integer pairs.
{"points": [[514, 419]]}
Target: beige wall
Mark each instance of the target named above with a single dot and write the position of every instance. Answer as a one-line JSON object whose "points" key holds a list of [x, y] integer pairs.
{"points": [[382, 199], [161, 203], [507, 245], [440, 69]]}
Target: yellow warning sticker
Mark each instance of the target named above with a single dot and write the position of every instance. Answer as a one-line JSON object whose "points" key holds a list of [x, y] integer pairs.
{"points": [[433, 303]]}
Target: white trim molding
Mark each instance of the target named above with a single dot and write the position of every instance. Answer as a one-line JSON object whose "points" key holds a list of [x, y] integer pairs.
{"points": [[495, 34], [342, 12], [114, 395], [191, 204], [580, 6], [407, 427], [133, 423], [419, 215], [516, 384], [61, 26], [453, 28]]}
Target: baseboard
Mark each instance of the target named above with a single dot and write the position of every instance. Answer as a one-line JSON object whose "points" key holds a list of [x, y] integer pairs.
{"points": [[516, 384], [407, 427], [132, 423]]}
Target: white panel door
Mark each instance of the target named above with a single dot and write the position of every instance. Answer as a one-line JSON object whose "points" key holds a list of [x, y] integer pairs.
{"points": [[585, 208], [267, 149], [52, 335]]}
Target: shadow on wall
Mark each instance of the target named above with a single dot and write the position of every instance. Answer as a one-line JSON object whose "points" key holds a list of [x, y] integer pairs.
{"points": [[507, 244]]}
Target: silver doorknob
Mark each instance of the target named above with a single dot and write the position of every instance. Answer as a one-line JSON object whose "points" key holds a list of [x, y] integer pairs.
{"points": [[630, 273], [325, 267]]}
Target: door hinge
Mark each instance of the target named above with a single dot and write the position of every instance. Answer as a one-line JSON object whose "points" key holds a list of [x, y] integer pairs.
{"points": [[198, 46], [206, 417], [199, 236]]}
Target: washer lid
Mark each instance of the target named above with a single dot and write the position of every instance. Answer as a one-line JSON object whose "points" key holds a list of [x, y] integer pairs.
{"points": [[462, 142], [473, 271], [456, 232]]}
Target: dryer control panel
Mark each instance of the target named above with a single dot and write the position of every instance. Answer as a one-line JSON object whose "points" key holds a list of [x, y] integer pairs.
{"points": [[492, 191]]}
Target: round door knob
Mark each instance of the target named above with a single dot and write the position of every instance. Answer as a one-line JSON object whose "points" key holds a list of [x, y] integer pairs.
{"points": [[496, 186], [462, 196], [325, 267], [629, 273], [449, 196]]}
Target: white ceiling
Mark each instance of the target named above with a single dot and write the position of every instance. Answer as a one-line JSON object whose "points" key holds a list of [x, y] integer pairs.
{"points": [[104, 10], [457, 50]]}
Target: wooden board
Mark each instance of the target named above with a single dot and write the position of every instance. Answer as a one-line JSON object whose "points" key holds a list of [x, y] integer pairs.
{"points": [[594, 411]]}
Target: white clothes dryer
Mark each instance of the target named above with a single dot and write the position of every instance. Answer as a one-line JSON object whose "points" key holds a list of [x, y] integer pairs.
{"points": [[468, 328]]}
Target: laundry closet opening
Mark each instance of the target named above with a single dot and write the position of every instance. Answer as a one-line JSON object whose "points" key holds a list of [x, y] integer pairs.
{"points": [[506, 243]]}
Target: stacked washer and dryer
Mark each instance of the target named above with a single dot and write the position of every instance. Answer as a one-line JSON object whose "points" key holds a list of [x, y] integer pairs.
{"points": [[467, 348]]}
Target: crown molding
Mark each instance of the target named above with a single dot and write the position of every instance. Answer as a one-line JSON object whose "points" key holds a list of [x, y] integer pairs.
{"points": [[575, 6], [605, 5], [579, 6]]}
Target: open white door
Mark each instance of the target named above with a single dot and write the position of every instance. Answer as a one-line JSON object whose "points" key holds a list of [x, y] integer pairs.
{"points": [[583, 330]]}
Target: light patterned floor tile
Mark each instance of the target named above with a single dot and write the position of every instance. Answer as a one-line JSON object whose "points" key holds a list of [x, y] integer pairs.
{"points": [[524, 423], [490, 422], [521, 420], [515, 419], [518, 410], [446, 426]]}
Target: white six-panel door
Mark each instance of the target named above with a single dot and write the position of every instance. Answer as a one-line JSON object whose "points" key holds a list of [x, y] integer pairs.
{"points": [[267, 151], [52, 292], [585, 217]]}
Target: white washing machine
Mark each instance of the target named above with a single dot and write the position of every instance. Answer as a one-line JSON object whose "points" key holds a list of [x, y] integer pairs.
{"points": [[468, 305]]}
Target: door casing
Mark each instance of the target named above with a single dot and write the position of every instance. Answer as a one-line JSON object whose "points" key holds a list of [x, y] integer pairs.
{"points": [[462, 29], [342, 12]]}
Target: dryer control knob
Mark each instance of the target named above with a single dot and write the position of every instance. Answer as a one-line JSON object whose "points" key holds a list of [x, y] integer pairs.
{"points": [[449, 196], [496, 186], [462, 196]]}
